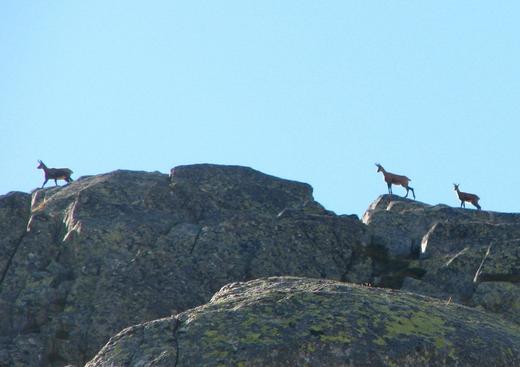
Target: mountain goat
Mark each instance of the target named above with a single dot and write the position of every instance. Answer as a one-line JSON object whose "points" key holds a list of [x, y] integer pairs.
{"points": [[393, 179], [55, 173], [465, 196]]}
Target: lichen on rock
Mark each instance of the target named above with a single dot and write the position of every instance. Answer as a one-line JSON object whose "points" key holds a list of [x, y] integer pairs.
{"points": [[289, 321]]}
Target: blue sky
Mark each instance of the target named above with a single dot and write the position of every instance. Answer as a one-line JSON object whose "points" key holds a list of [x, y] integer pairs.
{"points": [[305, 90]]}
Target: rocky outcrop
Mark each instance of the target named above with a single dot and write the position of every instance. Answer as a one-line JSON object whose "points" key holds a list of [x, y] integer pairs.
{"points": [[307, 322], [400, 224], [117, 249], [81, 262], [461, 255]]}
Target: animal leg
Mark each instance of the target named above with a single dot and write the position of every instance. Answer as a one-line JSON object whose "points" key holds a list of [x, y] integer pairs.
{"points": [[413, 192], [462, 205], [56, 182], [477, 205], [44, 182], [389, 188]]}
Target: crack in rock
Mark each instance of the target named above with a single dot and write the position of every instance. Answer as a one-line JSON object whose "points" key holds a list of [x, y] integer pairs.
{"points": [[11, 257], [196, 240]]}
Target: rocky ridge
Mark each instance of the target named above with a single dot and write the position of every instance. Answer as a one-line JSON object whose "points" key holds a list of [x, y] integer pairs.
{"points": [[81, 262], [468, 256]]}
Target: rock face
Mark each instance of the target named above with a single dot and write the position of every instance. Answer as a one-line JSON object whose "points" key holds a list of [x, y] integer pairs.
{"points": [[109, 251], [467, 256], [400, 224], [307, 322], [81, 262]]}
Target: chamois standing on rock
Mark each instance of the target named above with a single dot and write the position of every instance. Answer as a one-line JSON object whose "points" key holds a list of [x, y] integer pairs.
{"points": [[393, 179], [55, 173], [465, 196]]}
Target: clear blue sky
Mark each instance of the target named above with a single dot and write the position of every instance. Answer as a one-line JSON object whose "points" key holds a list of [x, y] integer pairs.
{"points": [[306, 90]]}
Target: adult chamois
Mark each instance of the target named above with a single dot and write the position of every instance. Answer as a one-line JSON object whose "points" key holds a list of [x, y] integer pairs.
{"points": [[393, 179], [465, 196], [55, 173]]}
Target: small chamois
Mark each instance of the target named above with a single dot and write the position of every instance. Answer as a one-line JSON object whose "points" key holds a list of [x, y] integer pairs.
{"points": [[393, 179], [55, 173], [465, 196]]}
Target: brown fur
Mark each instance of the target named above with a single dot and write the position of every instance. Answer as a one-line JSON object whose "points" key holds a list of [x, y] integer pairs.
{"points": [[393, 179], [466, 196], [55, 173]]}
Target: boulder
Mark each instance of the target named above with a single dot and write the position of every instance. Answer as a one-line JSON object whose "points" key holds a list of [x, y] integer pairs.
{"points": [[288, 321]]}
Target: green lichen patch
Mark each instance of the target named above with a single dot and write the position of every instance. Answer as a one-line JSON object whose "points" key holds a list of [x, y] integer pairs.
{"points": [[310, 322], [290, 321]]}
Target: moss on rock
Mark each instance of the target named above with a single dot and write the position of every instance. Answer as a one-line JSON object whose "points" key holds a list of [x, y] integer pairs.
{"points": [[307, 322]]}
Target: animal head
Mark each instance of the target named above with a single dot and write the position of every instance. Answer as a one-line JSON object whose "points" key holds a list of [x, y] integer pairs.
{"points": [[379, 167], [455, 187], [40, 165]]}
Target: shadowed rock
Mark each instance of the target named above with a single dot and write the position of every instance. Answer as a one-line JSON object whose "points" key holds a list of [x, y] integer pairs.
{"points": [[459, 253]]}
